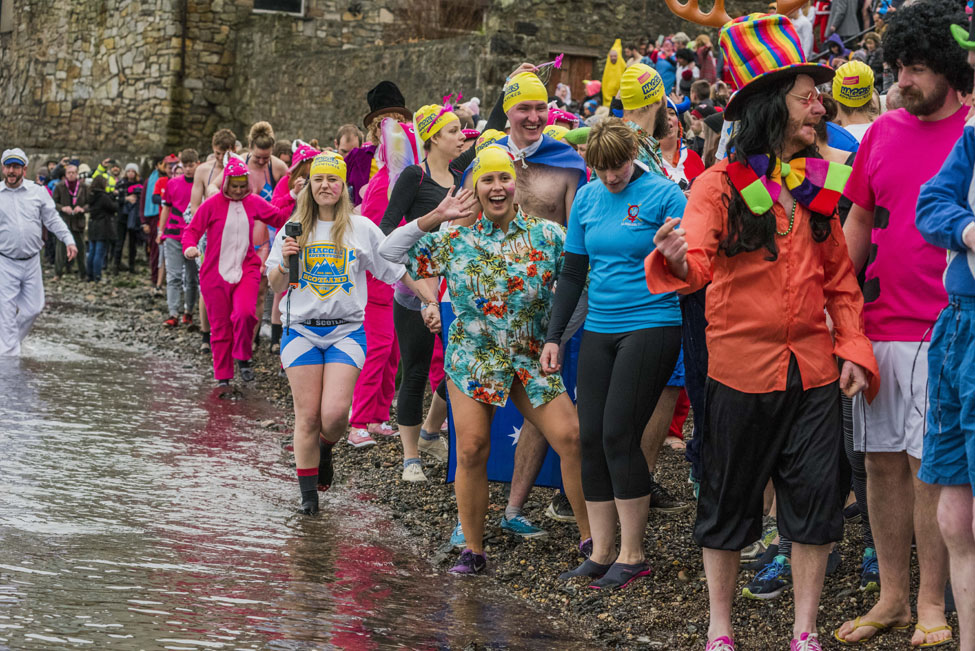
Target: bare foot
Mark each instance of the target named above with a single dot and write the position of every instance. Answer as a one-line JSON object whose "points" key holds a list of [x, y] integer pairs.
{"points": [[675, 443], [865, 627]]}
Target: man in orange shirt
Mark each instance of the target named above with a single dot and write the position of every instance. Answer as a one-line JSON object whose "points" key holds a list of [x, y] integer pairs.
{"points": [[761, 227]]}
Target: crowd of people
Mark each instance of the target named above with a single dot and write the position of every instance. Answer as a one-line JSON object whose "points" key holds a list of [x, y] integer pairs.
{"points": [[764, 245]]}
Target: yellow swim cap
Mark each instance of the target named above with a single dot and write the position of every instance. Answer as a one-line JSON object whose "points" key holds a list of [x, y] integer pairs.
{"points": [[555, 131], [328, 163], [486, 138], [853, 84], [640, 86], [432, 118], [524, 87], [492, 159]]}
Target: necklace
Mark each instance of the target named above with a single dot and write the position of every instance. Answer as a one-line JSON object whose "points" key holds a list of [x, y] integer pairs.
{"points": [[792, 220]]}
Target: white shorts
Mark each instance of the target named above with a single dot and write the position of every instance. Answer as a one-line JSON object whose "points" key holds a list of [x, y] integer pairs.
{"points": [[894, 422]]}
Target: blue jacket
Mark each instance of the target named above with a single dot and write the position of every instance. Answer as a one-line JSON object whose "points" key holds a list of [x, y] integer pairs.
{"points": [[667, 68], [945, 210]]}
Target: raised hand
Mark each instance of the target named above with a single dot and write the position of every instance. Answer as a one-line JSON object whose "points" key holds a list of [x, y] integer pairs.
{"points": [[459, 206]]}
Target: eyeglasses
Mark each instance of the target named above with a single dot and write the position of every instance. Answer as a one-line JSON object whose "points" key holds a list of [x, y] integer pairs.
{"points": [[806, 100]]}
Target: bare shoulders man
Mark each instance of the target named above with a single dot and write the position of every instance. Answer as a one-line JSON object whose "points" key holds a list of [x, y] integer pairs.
{"points": [[549, 173], [206, 183], [206, 179]]}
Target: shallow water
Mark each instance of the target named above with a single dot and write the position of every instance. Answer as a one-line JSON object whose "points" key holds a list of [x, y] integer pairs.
{"points": [[141, 510]]}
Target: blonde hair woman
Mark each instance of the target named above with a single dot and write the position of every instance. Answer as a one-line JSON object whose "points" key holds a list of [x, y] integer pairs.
{"points": [[324, 348]]}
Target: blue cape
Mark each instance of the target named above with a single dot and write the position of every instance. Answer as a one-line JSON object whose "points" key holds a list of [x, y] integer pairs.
{"points": [[552, 153], [840, 138]]}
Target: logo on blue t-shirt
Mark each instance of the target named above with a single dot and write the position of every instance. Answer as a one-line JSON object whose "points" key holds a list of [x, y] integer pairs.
{"points": [[327, 268], [632, 215]]}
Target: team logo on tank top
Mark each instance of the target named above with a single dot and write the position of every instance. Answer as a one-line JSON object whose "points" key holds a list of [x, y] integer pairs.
{"points": [[327, 269]]}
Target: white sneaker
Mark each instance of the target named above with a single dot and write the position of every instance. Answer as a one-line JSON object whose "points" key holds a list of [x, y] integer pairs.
{"points": [[413, 472], [436, 448], [359, 438]]}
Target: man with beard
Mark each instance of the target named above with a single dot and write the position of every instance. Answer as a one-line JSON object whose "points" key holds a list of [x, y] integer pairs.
{"points": [[644, 111], [761, 227], [24, 208], [903, 295]]}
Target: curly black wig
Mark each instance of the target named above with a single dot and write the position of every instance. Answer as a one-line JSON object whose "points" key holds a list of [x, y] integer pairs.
{"points": [[920, 33]]}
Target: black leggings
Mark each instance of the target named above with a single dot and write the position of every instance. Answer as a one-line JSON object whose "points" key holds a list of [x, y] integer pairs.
{"points": [[621, 377], [415, 349], [858, 465]]}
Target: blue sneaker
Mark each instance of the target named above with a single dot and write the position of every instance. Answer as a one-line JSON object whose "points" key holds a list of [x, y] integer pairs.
{"points": [[520, 526], [771, 581], [869, 571], [457, 537]]}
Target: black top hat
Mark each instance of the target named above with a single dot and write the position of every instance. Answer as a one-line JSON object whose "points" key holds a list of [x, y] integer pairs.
{"points": [[385, 97]]}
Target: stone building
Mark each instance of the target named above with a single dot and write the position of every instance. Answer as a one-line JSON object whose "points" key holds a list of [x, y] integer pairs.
{"points": [[142, 77]]}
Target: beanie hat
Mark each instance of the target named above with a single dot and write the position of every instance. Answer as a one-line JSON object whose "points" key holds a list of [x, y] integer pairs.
{"points": [[640, 86], [486, 138], [524, 87], [555, 131], [853, 84], [329, 163], [302, 153], [431, 118], [492, 159]]}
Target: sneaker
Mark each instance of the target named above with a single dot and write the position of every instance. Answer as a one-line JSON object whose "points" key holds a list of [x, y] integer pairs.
{"points": [[722, 643], [662, 501], [520, 526], [187, 319], [469, 563], [457, 537], [869, 571], [171, 322], [436, 448], [381, 429], [246, 372], [619, 575], [763, 560], [585, 548], [806, 642], [223, 383], [759, 549], [560, 509], [693, 481], [413, 472], [771, 581], [359, 438], [275, 347], [851, 514]]}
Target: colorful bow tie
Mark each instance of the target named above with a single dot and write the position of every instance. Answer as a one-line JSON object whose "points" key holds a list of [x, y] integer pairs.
{"points": [[815, 183]]}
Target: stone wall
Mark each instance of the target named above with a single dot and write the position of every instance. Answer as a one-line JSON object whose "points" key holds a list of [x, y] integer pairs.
{"points": [[144, 77], [79, 73]]}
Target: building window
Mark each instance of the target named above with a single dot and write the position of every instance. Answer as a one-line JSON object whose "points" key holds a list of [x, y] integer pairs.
{"points": [[6, 16], [296, 7]]}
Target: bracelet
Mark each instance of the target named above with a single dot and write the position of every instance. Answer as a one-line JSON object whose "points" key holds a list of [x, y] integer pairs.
{"points": [[283, 269], [424, 306]]}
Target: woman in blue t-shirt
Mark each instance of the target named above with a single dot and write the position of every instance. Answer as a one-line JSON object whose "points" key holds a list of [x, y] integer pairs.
{"points": [[629, 347]]}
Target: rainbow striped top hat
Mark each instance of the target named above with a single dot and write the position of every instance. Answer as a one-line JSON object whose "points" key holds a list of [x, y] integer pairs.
{"points": [[762, 49]]}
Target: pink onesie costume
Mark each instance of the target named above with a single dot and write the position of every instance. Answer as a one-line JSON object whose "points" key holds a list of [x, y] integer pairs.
{"points": [[230, 276], [376, 386]]}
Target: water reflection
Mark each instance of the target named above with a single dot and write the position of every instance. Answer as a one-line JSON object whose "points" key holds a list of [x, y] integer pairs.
{"points": [[140, 510]]}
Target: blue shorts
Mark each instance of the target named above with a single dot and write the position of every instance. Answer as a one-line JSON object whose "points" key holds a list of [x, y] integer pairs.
{"points": [[948, 454], [677, 378], [308, 346]]}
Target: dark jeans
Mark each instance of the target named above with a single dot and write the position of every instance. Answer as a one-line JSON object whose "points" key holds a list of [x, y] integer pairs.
{"points": [[96, 259], [61, 262], [133, 237]]}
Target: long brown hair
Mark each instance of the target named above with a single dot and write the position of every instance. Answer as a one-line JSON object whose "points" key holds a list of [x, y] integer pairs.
{"points": [[307, 213]]}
